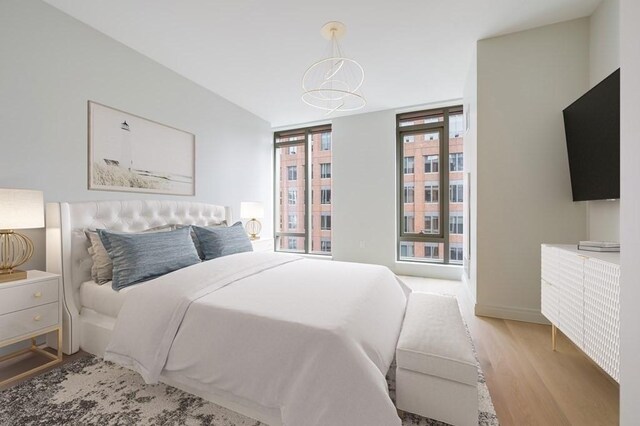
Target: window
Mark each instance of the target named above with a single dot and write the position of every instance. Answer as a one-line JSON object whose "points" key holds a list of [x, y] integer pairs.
{"points": [[455, 253], [292, 196], [292, 243], [408, 165], [456, 162], [456, 192], [292, 221], [292, 172], [409, 222], [431, 164], [408, 192], [430, 222], [302, 216], [431, 193], [325, 245], [325, 196], [455, 224], [325, 221], [325, 141], [431, 251], [407, 250], [325, 170]]}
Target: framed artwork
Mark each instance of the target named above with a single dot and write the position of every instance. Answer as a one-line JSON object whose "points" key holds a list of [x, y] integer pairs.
{"points": [[134, 154]]}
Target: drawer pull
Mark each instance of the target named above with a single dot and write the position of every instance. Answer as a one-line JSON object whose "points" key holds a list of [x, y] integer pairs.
{"points": [[37, 294], [37, 318]]}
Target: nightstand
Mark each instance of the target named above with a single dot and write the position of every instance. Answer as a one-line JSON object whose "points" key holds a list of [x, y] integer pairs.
{"points": [[31, 308], [262, 244]]}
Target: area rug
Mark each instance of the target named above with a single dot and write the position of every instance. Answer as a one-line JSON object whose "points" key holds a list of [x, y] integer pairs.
{"points": [[90, 391]]}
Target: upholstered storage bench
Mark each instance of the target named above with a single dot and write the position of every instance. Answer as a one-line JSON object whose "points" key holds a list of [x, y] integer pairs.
{"points": [[436, 374]]}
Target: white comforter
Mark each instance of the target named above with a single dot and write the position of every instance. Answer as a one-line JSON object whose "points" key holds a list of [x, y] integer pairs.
{"points": [[312, 338]]}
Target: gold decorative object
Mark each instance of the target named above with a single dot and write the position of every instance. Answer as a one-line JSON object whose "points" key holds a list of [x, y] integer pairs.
{"points": [[252, 210]]}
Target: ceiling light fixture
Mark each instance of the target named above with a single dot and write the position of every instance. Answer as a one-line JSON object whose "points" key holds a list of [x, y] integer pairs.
{"points": [[333, 84]]}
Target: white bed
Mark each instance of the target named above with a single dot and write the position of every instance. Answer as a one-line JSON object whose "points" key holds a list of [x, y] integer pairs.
{"points": [[342, 319]]}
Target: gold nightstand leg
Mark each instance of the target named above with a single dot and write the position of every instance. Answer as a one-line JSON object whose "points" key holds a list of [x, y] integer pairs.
{"points": [[554, 332]]}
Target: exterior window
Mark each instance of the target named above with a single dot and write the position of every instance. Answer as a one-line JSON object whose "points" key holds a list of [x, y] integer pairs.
{"points": [[409, 222], [408, 165], [408, 193], [325, 141], [456, 190], [325, 196], [292, 172], [292, 196], [455, 224], [292, 221], [407, 250], [302, 216], [325, 245], [325, 170], [325, 222], [431, 164], [456, 162], [431, 193], [430, 222], [455, 253]]}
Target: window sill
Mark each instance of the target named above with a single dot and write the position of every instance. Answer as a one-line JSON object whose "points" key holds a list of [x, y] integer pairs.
{"points": [[429, 270]]}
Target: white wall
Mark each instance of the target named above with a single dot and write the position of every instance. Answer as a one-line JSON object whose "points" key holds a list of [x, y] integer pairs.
{"points": [[604, 58], [52, 64], [630, 212], [364, 195], [524, 199]]}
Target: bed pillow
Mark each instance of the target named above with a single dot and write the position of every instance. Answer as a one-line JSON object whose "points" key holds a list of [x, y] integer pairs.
{"points": [[222, 241], [143, 256]]}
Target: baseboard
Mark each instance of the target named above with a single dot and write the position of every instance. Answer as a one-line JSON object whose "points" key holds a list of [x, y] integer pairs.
{"points": [[516, 314]]}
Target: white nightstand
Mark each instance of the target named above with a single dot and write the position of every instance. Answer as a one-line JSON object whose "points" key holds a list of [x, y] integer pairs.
{"points": [[265, 244], [31, 308]]}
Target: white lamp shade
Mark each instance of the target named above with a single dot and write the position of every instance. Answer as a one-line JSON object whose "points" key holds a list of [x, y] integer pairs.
{"points": [[21, 209], [251, 210]]}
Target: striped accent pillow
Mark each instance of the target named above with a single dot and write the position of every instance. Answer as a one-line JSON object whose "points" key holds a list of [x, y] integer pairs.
{"points": [[142, 256], [222, 241]]}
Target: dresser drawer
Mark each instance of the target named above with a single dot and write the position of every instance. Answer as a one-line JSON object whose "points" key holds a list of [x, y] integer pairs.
{"points": [[28, 320], [17, 298]]}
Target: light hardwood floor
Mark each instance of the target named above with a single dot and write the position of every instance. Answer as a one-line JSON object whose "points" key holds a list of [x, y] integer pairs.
{"points": [[529, 383]]}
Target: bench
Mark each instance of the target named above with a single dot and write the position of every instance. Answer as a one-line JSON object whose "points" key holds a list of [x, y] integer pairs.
{"points": [[436, 373]]}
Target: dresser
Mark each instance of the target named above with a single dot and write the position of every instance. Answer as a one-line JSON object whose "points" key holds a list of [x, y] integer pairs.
{"points": [[580, 296], [31, 308]]}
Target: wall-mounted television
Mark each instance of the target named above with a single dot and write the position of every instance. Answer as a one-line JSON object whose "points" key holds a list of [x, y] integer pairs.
{"points": [[592, 128]]}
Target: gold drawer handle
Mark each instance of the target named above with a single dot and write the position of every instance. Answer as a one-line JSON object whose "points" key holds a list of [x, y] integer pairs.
{"points": [[37, 318], [37, 294]]}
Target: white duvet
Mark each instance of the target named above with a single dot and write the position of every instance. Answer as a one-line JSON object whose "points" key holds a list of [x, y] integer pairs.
{"points": [[311, 338]]}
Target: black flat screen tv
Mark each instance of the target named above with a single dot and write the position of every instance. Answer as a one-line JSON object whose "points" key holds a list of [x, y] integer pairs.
{"points": [[592, 128]]}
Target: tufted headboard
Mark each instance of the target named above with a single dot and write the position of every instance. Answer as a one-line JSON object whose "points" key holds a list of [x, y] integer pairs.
{"points": [[67, 243]]}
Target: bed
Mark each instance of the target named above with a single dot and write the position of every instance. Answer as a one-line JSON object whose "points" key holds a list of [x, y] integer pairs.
{"points": [[276, 337]]}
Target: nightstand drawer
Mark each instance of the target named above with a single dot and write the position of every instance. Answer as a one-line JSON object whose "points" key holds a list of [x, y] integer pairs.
{"points": [[27, 321], [17, 298]]}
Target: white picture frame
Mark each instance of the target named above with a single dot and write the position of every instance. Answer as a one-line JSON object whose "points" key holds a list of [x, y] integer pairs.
{"points": [[130, 153]]}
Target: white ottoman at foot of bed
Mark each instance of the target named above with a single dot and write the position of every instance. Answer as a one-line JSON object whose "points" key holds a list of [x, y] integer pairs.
{"points": [[436, 374]]}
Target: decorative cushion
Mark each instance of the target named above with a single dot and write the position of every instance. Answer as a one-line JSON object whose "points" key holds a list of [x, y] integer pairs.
{"points": [[222, 241], [143, 256]]}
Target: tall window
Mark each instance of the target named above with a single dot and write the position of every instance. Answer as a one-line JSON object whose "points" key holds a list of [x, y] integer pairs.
{"points": [[303, 198], [430, 226]]}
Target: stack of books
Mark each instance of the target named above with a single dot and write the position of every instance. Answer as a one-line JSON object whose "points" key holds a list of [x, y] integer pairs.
{"points": [[599, 246]]}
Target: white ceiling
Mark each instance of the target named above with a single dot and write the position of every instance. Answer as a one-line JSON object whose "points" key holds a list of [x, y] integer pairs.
{"points": [[254, 52]]}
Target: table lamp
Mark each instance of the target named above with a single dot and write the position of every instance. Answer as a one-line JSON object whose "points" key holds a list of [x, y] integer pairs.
{"points": [[19, 209], [253, 211]]}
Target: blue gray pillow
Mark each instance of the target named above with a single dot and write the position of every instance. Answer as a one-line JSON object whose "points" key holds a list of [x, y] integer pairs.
{"points": [[141, 257], [222, 241]]}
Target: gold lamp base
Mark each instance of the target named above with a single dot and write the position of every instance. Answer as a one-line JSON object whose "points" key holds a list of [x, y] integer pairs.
{"points": [[14, 275], [253, 228], [15, 249]]}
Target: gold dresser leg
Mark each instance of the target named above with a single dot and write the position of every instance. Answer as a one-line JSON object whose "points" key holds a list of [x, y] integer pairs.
{"points": [[554, 332]]}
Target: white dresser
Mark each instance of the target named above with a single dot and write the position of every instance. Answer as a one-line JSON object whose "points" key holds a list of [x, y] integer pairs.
{"points": [[30, 308], [581, 298]]}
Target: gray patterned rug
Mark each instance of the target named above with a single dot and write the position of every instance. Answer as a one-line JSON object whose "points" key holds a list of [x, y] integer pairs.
{"points": [[90, 391]]}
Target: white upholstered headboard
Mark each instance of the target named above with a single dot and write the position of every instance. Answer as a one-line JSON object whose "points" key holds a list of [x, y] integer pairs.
{"points": [[67, 244]]}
